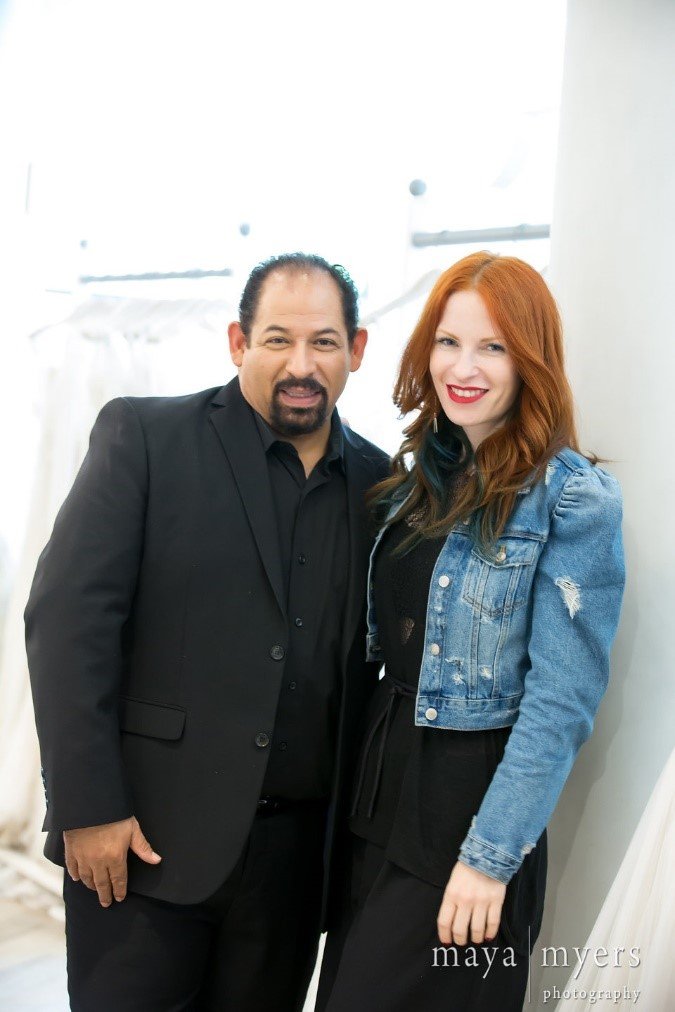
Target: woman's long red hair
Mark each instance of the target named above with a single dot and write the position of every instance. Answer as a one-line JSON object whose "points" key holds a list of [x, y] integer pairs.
{"points": [[541, 422]]}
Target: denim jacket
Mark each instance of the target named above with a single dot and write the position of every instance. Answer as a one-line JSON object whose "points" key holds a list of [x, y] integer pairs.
{"points": [[523, 638]]}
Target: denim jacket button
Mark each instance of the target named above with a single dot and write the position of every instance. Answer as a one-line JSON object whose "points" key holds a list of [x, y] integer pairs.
{"points": [[444, 581], [431, 714], [501, 554], [435, 649]]}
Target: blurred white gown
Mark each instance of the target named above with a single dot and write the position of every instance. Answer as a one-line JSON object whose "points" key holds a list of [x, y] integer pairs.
{"points": [[90, 373], [639, 911], [106, 349]]}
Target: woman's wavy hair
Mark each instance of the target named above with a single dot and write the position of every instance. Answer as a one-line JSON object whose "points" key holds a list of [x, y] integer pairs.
{"points": [[515, 455]]}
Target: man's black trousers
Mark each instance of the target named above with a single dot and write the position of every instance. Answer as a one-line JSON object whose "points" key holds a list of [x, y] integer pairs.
{"points": [[251, 946]]}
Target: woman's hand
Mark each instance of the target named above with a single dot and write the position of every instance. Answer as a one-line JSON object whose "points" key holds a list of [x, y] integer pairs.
{"points": [[472, 905]]}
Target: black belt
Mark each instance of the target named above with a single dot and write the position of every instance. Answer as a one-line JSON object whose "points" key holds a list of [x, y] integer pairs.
{"points": [[396, 688]]}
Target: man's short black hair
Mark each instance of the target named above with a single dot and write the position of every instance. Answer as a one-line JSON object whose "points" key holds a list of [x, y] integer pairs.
{"points": [[298, 262]]}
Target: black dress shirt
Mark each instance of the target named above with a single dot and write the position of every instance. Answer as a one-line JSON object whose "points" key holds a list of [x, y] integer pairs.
{"points": [[314, 547]]}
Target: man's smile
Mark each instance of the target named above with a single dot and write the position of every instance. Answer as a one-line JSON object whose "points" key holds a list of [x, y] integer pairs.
{"points": [[300, 397]]}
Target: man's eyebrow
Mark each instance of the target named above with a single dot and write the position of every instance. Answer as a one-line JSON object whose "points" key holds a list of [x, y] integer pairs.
{"points": [[317, 333]]}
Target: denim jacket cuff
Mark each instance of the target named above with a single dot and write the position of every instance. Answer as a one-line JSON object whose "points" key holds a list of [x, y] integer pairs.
{"points": [[481, 855]]}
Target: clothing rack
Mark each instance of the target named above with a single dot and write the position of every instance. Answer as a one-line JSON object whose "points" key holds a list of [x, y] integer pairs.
{"points": [[511, 233], [90, 279], [134, 317]]}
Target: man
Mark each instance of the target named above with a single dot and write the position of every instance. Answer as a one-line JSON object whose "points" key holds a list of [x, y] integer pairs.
{"points": [[195, 637]]}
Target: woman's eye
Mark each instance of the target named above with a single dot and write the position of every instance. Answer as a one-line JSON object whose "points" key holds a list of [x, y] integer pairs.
{"points": [[496, 347], [447, 341]]}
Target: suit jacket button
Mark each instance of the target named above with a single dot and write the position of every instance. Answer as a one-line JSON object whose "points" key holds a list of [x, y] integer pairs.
{"points": [[262, 740], [277, 652]]}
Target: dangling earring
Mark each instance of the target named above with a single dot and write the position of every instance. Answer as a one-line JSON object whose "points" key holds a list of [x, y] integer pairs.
{"points": [[434, 425]]}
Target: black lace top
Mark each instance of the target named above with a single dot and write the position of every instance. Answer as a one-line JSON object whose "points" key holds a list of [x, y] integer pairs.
{"points": [[418, 787]]}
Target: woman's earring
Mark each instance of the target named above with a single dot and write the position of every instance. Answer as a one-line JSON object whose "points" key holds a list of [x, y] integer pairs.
{"points": [[435, 424]]}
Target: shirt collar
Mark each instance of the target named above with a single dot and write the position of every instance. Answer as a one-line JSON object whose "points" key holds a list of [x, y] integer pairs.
{"points": [[335, 451]]}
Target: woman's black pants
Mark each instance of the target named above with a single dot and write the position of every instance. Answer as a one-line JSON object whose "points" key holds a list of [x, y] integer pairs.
{"points": [[385, 956]]}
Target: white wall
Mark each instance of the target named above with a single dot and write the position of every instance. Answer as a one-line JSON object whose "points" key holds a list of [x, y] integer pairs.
{"points": [[612, 272]]}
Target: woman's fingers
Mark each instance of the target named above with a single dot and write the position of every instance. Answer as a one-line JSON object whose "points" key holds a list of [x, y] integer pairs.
{"points": [[444, 921], [460, 925], [478, 923], [471, 907], [494, 916]]}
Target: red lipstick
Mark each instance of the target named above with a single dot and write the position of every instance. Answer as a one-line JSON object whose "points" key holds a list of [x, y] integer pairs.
{"points": [[471, 395]]}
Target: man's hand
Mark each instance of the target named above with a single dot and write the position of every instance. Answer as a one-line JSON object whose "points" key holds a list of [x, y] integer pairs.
{"points": [[97, 856], [472, 902]]}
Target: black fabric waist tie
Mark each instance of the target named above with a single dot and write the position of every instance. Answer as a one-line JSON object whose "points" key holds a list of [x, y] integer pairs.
{"points": [[396, 688]]}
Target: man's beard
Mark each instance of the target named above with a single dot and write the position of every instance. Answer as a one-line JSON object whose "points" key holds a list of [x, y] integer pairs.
{"points": [[298, 421]]}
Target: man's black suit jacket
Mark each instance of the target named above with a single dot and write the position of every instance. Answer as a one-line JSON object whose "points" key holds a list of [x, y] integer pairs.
{"points": [[156, 635]]}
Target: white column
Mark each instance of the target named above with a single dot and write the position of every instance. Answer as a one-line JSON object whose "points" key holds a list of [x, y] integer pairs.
{"points": [[612, 270]]}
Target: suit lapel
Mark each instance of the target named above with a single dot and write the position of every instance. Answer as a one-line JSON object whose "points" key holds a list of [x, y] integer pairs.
{"points": [[235, 426]]}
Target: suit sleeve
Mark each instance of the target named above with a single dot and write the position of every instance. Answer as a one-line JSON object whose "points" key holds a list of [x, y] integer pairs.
{"points": [[79, 602]]}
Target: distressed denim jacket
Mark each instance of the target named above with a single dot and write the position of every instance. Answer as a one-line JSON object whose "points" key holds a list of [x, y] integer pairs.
{"points": [[523, 638]]}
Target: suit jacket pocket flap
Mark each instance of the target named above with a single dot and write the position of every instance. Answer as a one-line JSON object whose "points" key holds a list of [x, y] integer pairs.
{"points": [[155, 720]]}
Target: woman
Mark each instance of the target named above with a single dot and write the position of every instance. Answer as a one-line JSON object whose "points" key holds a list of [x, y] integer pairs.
{"points": [[494, 595]]}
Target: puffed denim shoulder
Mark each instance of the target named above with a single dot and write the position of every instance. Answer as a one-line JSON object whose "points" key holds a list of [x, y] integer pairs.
{"points": [[522, 637]]}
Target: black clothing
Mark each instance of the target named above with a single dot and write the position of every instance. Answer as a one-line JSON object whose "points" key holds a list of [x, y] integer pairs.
{"points": [[158, 638], [385, 946], [313, 532], [401, 587], [416, 792], [250, 947], [432, 780]]}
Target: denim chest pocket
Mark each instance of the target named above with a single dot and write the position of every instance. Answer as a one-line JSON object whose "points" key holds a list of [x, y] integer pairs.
{"points": [[499, 584]]}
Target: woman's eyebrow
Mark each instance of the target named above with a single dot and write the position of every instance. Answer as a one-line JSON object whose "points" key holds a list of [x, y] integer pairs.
{"points": [[446, 333]]}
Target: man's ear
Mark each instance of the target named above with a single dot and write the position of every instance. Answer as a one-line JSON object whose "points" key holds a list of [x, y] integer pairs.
{"points": [[238, 343], [357, 349]]}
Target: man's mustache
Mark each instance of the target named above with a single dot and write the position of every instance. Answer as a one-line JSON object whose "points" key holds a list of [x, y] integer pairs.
{"points": [[310, 385]]}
